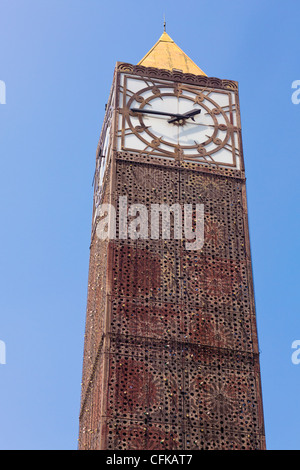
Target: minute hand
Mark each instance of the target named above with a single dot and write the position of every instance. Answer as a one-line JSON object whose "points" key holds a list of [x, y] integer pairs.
{"points": [[189, 114], [149, 111]]}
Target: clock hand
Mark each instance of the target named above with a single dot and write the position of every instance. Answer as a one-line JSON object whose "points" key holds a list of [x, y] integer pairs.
{"points": [[175, 117], [189, 114], [149, 111]]}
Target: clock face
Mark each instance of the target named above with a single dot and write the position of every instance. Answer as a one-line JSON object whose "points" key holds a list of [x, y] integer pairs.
{"points": [[178, 121], [103, 152]]}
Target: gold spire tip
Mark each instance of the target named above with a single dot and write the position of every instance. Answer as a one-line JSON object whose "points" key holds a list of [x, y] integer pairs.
{"points": [[165, 54]]}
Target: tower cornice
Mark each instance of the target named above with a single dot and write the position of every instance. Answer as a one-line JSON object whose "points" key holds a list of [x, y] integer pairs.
{"points": [[177, 76]]}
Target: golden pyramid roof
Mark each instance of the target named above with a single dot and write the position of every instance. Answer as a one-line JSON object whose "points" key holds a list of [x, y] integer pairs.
{"points": [[165, 54]]}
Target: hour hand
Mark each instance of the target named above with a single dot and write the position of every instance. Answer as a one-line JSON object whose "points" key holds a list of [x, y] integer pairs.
{"points": [[189, 114], [160, 113]]}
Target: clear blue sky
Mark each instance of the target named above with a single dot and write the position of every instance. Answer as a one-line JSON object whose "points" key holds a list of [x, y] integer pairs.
{"points": [[57, 59]]}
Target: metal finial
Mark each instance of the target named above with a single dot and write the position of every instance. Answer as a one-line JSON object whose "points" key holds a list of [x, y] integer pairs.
{"points": [[164, 24]]}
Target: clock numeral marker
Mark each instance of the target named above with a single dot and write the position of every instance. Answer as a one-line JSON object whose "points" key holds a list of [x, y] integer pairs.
{"points": [[200, 97], [214, 111], [153, 146], [203, 155], [201, 150], [177, 89]]}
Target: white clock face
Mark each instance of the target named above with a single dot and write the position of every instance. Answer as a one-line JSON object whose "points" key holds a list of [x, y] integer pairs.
{"points": [[180, 121], [103, 152], [183, 132]]}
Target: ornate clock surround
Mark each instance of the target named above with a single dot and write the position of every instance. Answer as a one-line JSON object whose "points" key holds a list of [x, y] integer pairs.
{"points": [[156, 83]]}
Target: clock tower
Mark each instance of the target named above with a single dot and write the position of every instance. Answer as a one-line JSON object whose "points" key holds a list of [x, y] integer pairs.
{"points": [[171, 357]]}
